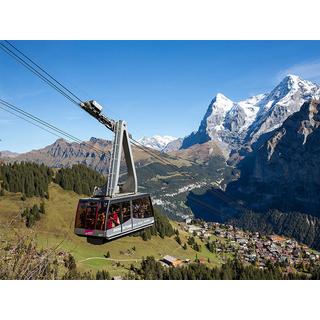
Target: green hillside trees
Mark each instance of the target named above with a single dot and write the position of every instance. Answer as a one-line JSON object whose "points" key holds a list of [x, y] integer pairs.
{"points": [[79, 179], [29, 178]]}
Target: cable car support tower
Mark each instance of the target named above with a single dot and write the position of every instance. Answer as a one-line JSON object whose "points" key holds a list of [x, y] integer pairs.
{"points": [[121, 145]]}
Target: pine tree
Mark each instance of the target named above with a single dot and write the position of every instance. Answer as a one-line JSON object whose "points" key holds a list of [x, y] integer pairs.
{"points": [[177, 238], [42, 208], [103, 275], [35, 212]]}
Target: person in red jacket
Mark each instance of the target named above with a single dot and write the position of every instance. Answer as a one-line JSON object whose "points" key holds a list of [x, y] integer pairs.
{"points": [[110, 224], [115, 217]]}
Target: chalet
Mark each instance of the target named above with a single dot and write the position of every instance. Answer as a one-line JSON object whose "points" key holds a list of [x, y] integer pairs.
{"points": [[276, 238], [171, 261], [241, 241]]}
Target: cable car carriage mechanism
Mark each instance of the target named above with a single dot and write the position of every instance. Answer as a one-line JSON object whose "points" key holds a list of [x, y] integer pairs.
{"points": [[115, 209]]}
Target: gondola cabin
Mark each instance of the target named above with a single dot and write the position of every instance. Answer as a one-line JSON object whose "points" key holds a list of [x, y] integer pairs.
{"points": [[108, 218]]}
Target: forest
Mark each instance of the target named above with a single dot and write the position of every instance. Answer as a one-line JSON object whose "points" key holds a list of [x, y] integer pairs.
{"points": [[28, 178], [79, 178], [32, 179]]}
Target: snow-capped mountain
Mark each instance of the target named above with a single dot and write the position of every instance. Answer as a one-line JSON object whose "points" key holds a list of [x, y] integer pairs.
{"points": [[225, 121], [233, 124], [284, 100], [157, 142]]}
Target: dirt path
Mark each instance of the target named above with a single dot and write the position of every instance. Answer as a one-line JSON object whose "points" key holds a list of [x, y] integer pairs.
{"points": [[110, 259]]}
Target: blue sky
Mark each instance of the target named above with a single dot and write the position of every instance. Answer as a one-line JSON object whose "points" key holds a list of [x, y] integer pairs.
{"points": [[159, 87]]}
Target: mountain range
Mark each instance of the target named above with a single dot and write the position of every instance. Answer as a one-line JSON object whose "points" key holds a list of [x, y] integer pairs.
{"points": [[94, 153], [235, 125]]}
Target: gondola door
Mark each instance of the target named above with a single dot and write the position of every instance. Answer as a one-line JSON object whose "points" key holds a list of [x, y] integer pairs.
{"points": [[126, 215], [119, 220], [113, 224]]}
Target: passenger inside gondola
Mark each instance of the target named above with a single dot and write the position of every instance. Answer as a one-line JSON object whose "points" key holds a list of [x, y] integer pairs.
{"points": [[113, 217], [100, 221], [125, 212], [91, 218], [82, 216], [141, 208]]}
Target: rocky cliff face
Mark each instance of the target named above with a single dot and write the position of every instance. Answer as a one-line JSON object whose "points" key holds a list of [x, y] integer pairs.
{"points": [[284, 171], [224, 122]]}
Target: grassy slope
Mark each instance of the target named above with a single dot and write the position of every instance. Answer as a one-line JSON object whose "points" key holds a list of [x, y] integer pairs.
{"points": [[56, 228]]}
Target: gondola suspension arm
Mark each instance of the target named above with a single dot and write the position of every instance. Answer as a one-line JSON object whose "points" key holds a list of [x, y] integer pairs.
{"points": [[121, 143]]}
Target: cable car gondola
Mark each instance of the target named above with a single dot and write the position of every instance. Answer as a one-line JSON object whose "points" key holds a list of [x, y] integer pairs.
{"points": [[115, 209], [110, 218]]}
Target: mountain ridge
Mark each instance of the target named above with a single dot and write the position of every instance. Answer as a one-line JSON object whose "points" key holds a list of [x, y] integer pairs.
{"points": [[237, 124]]}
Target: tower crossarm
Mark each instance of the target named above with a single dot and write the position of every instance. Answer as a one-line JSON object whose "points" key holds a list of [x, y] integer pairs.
{"points": [[95, 109]]}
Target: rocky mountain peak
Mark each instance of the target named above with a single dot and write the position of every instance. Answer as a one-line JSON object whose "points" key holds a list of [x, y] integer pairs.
{"points": [[294, 82], [220, 102]]}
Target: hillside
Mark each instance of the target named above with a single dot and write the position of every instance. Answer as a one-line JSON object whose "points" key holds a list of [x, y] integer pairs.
{"points": [[56, 228]]}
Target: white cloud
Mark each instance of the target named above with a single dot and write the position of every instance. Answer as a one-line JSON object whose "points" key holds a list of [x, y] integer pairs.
{"points": [[308, 71]]}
